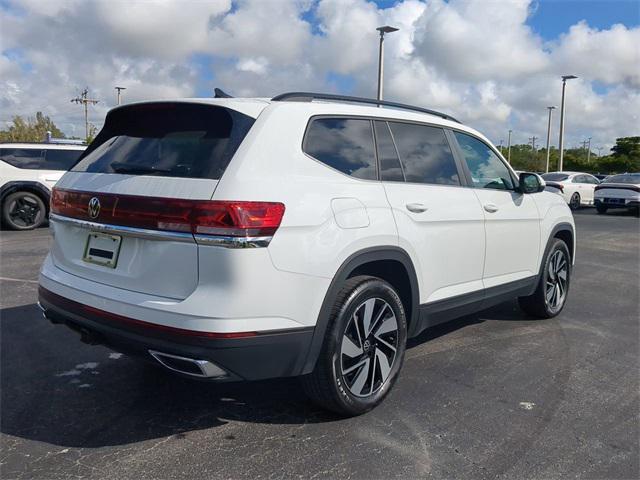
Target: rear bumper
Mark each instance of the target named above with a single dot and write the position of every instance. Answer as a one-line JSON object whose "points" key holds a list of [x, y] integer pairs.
{"points": [[618, 202], [242, 355]]}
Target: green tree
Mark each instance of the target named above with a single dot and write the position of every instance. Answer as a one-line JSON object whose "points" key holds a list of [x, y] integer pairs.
{"points": [[33, 129]]}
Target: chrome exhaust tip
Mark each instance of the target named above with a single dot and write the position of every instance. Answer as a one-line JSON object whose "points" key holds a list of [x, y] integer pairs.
{"points": [[188, 366]]}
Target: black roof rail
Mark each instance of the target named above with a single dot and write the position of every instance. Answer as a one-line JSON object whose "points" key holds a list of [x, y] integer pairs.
{"points": [[310, 96]]}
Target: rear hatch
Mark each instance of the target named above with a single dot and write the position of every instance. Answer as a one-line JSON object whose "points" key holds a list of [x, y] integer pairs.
{"points": [[121, 215]]}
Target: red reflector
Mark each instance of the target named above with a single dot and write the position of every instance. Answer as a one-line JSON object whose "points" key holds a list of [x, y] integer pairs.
{"points": [[208, 217]]}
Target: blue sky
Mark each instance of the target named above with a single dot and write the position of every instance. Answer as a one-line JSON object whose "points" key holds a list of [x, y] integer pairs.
{"points": [[495, 64]]}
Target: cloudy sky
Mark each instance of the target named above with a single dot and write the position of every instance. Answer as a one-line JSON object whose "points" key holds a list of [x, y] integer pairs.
{"points": [[494, 64]]}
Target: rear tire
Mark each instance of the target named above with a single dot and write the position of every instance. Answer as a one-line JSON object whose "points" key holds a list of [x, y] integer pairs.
{"points": [[601, 208], [574, 203], [363, 348], [23, 211], [553, 286]]}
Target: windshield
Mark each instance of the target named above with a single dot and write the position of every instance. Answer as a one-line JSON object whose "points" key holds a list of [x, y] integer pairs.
{"points": [[167, 139], [555, 177], [623, 178]]}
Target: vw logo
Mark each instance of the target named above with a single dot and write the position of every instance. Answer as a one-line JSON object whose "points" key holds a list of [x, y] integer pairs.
{"points": [[94, 207]]}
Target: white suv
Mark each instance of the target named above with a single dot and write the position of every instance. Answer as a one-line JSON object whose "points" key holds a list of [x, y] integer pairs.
{"points": [[307, 235], [28, 171]]}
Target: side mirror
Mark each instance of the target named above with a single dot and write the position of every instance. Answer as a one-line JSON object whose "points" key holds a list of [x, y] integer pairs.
{"points": [[531, 183]]}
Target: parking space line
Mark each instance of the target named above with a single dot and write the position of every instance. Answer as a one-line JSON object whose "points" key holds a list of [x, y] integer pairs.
{"points": [[7, 279]]}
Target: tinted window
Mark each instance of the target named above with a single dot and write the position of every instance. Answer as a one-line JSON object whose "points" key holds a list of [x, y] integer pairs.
{"points": [[344, 144], [167, 139], [390, 169], [623, 178], [61, 159], [578, 179], [425, 154], [555, 177], [23, 157], [487, 170], [590, 179]]}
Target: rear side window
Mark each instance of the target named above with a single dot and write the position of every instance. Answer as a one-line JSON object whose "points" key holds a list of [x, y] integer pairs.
{"points": [[555, 177], [487, 170], [28, 158], [390, 169], [61, 159], [167, 139], [344, 144], [425, 154]]}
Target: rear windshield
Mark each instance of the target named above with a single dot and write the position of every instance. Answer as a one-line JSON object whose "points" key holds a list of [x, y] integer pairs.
{"points": [[167, 139], [555, 177], [623, 178], [40, 159]]}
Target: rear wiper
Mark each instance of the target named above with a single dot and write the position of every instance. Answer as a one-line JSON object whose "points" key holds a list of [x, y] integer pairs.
{"points": [[119, 167]]}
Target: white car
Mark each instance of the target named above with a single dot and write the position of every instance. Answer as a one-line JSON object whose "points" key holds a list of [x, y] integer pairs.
{"points": [[28, 171], [307, 235], [619, 191], [576, 187]]}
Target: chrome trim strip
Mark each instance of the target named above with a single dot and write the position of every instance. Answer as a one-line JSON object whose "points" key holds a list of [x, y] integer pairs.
{"points": [[122, 230], [232, 242]]}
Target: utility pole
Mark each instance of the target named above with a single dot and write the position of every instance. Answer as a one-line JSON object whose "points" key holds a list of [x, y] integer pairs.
{"points": [[561, 142], [533, 147], [382, 30], [118, 90], [85, 101], [548, 136], [501, 141], [599, 150], [509, 148], [589, 151]]}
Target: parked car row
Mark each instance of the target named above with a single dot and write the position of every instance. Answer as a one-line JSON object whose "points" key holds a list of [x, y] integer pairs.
{"points": [[583, 189]]}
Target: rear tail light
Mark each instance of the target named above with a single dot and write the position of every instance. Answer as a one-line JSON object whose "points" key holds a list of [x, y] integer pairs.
{"points": [[234, 219]]}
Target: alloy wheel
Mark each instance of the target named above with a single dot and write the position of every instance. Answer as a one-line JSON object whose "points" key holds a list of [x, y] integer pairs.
{"points": [[24, 211], [369, 347], [557, 280]]}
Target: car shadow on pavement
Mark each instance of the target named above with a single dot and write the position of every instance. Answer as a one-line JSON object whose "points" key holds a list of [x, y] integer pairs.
{"points": [[59, 391]]}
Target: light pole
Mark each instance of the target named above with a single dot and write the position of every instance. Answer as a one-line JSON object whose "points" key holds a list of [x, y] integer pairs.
{"points": [[509, 148], [588, 150], [119, 89], [548, 136], [561, 143], [382, 30]]}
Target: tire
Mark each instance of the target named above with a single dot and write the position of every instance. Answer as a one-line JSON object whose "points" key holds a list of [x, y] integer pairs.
{"points": [[601, 208], [574, 203], [551, 293], [343, 380], [23, 211]]}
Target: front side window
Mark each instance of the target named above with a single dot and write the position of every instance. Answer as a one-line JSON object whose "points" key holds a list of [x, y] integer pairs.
{"points": [[487, 170], [344, 144], [425, 154], [28, 158]]}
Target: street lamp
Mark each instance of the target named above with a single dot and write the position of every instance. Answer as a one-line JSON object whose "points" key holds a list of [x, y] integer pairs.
{"points": [[509, 148], [382, 30], [119, 89], [561, 143], [548, 136]]}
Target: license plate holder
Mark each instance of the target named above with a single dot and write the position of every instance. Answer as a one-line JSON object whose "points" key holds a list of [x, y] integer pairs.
{"points": [[102, 249]]}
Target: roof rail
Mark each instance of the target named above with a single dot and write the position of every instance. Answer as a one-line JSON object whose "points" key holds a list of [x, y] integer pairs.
{"points": [[309, 96]]}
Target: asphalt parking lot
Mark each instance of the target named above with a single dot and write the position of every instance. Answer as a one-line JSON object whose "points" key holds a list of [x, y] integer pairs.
{"points": [[494, 395]]}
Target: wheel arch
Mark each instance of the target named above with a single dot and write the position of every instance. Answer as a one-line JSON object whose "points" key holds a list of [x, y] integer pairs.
{"points": [[389, 263], [565, 232], [26, 186]]}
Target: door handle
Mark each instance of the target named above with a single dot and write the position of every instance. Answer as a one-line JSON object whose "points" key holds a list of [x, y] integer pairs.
{"points": [[416, 207], [491, 208]]}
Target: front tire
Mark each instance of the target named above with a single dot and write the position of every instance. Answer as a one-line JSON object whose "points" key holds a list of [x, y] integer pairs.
{"points": [[363, 348], [574, 203], [23, 211], [553, 286]]}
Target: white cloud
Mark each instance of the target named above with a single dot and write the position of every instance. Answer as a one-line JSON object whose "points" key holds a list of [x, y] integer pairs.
{"points": [[477, 60]]}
